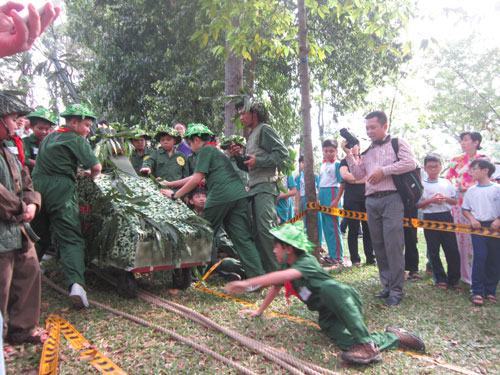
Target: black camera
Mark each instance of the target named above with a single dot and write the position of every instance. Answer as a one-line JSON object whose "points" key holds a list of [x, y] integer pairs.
{"points": [[351, 139]]}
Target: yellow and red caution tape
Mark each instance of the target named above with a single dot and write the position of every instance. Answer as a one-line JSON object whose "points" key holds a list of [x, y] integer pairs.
{"points": [[245, 303], [407, 222], [49, 361]]}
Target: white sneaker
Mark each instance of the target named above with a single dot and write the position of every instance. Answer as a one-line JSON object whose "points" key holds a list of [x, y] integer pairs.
{"points": [[78, 296]]}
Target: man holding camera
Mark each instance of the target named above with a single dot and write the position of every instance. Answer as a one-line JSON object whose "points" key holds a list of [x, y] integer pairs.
{"points": [[383, 203]]}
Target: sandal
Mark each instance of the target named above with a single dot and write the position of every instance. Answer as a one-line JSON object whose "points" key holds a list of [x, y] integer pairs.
{"points": [[442, 286], [477, 300], [491, 298], [37, 336]]}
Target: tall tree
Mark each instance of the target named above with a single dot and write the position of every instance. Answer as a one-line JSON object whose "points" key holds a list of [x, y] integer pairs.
{"points": [[467, 89], [312, 227]]}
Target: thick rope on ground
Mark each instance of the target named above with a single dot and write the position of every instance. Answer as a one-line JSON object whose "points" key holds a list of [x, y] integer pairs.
{"points": [[306, 367], [200, 347]]}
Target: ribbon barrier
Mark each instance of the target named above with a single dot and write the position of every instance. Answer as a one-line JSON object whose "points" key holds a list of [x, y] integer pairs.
{"points": [[407, 222], [49, 361], [50, 353]]}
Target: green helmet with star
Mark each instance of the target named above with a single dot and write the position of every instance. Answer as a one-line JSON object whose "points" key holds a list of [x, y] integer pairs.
{"points": [[197, 129], [78, 110], [10, 103], [44, 114], [163, 130], [294, 235]]}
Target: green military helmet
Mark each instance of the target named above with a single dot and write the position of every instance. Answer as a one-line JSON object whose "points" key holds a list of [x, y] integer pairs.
{"points": [[294, 235], [137, 132], [167, 130], [225, 142], [10, 103], [238, 139], [78, 110], [197, 129], [44, 114]]}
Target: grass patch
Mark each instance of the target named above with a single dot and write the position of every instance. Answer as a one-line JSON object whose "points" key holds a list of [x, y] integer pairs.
{"points": [[454, 331]]}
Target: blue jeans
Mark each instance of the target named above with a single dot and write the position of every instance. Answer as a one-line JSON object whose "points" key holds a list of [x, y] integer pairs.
{"points": [[331, 224], [485, 264]]}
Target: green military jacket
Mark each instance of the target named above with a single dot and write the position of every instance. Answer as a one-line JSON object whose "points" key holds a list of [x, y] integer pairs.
{"points": [[61, 153], [16, 191], [314, 277], [270, 153], [138, 160], [31, 147], [170, 168]]}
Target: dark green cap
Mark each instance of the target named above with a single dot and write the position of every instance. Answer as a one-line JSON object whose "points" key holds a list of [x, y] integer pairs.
{"points": [[78, 110], [197, 129], [44, 114], [163, 130], [293, 234]]}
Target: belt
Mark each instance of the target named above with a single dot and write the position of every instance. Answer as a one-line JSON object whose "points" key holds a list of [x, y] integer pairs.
{"points": [[380, 194]]}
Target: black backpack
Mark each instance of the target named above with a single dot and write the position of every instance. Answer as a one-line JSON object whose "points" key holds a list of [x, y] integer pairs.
{"points": [[409, 184]]}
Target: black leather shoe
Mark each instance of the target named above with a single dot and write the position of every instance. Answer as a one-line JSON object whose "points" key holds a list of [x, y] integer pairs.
{"points": [[407, 340], [382, 294], [392, 301]]}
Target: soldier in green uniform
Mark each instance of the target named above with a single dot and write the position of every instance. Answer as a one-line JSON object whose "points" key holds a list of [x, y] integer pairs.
{"points": [[339, 305], [140, 152], [165, 163], [41, 121], [266, 153], [54, 177], [226, 202], [234, 146]]}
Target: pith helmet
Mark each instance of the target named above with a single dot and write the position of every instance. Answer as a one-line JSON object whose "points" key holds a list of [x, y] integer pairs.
{"points": [[44, 114], [294, 235], [9, 103], [163, 130], [197, 129], [78, 110], [137, 132]]}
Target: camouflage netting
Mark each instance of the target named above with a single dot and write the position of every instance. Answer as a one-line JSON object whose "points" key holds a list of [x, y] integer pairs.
{"points": [[128, 224]]}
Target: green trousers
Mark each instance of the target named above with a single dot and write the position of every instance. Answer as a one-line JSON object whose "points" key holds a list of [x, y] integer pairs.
{"points": [[341, 318], [234, 217], [59, 223], [264, 218]]}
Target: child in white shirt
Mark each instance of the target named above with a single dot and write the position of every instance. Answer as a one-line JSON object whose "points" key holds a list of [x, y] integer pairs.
{"points": [[481, 207], [438, 197]]}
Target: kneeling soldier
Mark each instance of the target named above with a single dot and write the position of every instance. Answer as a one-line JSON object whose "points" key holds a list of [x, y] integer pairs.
{"points": [[339, 305]]}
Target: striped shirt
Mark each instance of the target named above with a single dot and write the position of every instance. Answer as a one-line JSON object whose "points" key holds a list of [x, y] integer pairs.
{"points": [[382, 156]]}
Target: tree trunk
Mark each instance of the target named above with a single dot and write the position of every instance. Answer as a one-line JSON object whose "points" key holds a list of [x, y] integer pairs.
{"points": [[321, 119], [312, 225], [233, 83]]}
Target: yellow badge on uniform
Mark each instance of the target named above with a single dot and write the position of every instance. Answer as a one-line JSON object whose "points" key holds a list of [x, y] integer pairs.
{"points": [[181, 161], [146, 158]]}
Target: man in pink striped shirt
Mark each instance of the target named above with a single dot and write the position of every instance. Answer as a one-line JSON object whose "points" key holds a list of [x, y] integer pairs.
{"points": [[383, 203]]}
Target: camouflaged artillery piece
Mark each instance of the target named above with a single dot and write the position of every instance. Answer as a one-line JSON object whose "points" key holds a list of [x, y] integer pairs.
{"points": [[129, 227]]}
